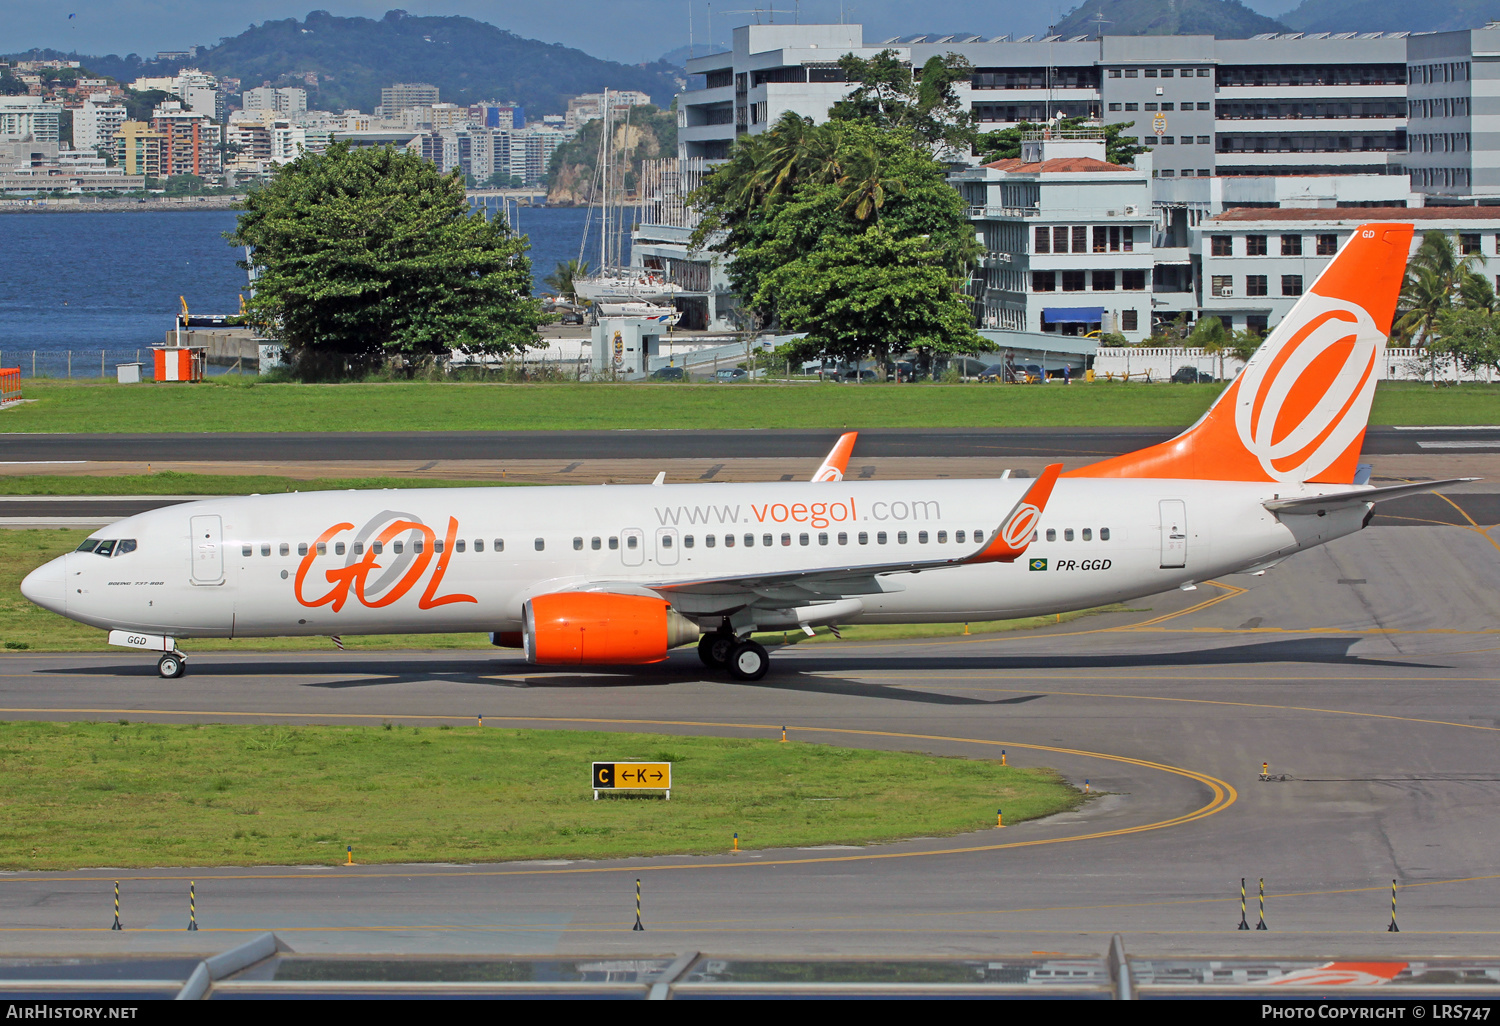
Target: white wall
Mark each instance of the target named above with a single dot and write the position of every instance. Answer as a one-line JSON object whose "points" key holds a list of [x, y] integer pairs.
{"points": [[1161, 364]]}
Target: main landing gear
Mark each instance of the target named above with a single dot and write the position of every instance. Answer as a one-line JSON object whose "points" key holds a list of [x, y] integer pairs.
{"points": [[172, 665], [745, 660]]}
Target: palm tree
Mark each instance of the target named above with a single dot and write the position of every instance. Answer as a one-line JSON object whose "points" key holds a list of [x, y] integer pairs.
{"points": [[1209, 335], [1435, 277], [864, 185], [562, 279]]}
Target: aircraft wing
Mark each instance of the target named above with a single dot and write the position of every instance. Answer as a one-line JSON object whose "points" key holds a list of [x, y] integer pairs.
{"points": [[1320, 504], [1005, 545], [836, 463]]}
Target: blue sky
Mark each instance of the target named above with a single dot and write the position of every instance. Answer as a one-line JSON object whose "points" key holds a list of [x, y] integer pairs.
{"points": [[622, 30]]}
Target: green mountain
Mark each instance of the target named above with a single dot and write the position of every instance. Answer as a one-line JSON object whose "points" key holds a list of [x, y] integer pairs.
{"points": [[1227, 19], [349, 59], [1390, 15]]}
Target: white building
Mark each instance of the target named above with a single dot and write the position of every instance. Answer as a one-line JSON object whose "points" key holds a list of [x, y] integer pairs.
{"points": [[590, 106], [285, 102], [1068, 239], [29, 119], [1256, 263], [96, 122], [771, 69]]}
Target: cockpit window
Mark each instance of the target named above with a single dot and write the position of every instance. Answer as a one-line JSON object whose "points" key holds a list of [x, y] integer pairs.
{"points": [[126, 545], [106, 548], [88, 545]]}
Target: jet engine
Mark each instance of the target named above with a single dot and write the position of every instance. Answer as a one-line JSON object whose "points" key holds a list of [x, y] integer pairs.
{"points": [[581, 627]]}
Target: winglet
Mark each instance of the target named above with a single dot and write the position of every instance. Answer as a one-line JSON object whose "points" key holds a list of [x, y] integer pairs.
{"points": [[1014, 532], [837, 460]]}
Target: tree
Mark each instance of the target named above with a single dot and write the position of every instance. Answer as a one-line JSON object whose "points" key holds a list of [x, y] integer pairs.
{"points": [[1243, 344], [871, 292], [566, 273], [366, 254], [1005, 143], [789, 202], [1435, 278], [886, 94], [1470, 335], [1210, 336]]}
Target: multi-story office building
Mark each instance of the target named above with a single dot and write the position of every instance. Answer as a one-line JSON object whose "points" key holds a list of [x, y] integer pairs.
{"points": [[1454, 109], [1067, 237], [771, 69], [264, 140], [1286, 104], [190, 143], [96, 122], [29, 119], [138, 149], [1256, 263], [498, 115], [426, 117], [398, 97]]}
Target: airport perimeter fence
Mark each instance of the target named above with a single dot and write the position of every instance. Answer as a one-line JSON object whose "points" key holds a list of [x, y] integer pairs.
{"points": [[86, 363]]}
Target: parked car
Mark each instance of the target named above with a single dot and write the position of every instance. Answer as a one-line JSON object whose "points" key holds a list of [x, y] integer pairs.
{"points": [[668, 374], [864, 375], [571, 317], [729, 375], [966, 366], [1191, 375]]}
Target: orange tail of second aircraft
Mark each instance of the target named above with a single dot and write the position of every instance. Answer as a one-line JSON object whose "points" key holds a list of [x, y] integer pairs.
{"points": [[1299, 409]]}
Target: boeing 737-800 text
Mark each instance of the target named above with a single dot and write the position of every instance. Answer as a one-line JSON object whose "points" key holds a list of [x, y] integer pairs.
{"points": [[616, 575]]}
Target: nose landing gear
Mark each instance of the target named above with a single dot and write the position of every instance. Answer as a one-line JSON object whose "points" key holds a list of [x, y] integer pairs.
{"points": [[172, 665]]}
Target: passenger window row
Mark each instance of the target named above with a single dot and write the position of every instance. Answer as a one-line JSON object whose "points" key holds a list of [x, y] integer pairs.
{"points": [[823, 537], [1088, 534], [358, 548]]}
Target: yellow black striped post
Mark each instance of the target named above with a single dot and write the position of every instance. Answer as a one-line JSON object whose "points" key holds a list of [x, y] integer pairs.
{"points": [[117, 925], [1244, 924], [1262, 924], [637, 925], [192, 907], [1393, 928]]}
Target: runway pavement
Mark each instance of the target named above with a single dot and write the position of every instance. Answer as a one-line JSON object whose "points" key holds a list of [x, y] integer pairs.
{"points": [[1365, 673]]}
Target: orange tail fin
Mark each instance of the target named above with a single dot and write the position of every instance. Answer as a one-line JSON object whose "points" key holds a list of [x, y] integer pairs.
{"points": [[837, 461], [1299, 409]]}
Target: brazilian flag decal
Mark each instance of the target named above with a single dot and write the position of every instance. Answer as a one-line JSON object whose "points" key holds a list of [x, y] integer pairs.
{"points": [[1038, 564]]}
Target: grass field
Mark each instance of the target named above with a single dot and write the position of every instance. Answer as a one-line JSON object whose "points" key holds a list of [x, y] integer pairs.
{"points": [[26, 627], [171, 482], [133, 795], [244, 405]]}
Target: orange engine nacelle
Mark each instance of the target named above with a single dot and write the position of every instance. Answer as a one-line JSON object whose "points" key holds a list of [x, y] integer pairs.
{"points": [[580, 627]]}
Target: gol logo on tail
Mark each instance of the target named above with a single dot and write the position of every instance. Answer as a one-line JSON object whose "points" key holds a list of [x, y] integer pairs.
{"points": [[402, 571], [1298, 410]]}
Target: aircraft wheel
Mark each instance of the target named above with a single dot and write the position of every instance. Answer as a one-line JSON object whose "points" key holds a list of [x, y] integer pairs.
{"points": [[171, 666], [748, 661], [714, 649]]}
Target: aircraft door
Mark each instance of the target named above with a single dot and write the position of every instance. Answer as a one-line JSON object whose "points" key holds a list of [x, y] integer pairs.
{"points": [[1173, 533], [208, 550], [666, 546], [632, 546]]}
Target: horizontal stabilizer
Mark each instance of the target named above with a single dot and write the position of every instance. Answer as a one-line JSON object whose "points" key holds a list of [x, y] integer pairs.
{"points": [[1348, 500]]}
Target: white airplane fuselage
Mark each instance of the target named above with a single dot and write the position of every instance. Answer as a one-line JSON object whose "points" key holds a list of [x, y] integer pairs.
{"points": [[235, 567]]}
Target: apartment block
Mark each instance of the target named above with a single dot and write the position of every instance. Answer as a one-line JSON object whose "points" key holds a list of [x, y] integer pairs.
{"points": [[138, 149], [590, 106], [190, 140], [1067, 237], [286, 102], [29, 119], [396, 98], [96, 122]]}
